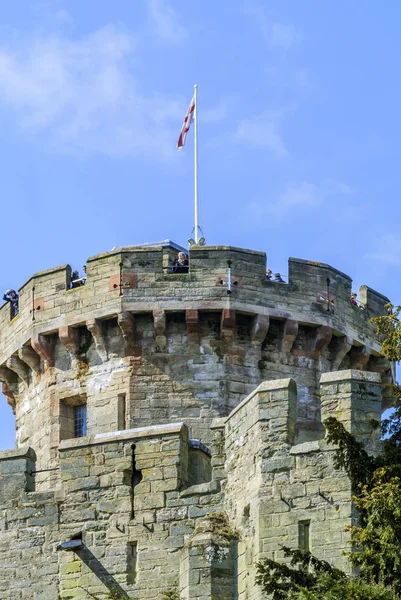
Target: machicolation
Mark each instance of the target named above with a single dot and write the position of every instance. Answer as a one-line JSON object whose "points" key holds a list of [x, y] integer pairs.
{"points": [[169, 434]]}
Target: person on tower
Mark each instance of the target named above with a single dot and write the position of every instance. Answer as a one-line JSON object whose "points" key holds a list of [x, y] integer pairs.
{"points": [[11, 296], [181, 264]]}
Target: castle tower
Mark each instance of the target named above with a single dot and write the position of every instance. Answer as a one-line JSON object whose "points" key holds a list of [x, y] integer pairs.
{"points": [[138, 421]]}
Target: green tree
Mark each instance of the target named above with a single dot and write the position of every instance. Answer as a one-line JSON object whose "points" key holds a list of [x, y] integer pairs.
{"points": [[376, 483]]}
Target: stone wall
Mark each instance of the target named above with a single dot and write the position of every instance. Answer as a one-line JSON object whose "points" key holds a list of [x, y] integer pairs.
{"points": [[202, 454], [126, 515], [175, 347]]}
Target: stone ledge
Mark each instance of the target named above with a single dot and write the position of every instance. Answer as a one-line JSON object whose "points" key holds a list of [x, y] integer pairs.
{"points": [[349, 375], [23, 452], [307, 447], [43, 274], [122, 436], [266, 386], [211, 487]]}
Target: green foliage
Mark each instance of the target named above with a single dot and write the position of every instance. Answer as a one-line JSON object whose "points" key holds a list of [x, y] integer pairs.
{"points": [[282, 580], [351, 455], [307, 578], [171, 595], [376, 483], [389, 326]]}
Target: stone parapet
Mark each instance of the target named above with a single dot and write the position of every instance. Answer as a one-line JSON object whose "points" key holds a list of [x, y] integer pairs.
{"points": [[355, 399], [46, 303]]}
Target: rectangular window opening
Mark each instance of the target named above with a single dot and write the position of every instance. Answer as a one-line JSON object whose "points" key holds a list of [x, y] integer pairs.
{"points": [[136, 479], [121, 412], [304, 536], [80, 428], [132, 559]]}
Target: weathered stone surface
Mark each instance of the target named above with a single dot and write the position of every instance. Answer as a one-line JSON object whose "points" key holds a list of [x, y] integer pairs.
{"points": [[146, 509]]}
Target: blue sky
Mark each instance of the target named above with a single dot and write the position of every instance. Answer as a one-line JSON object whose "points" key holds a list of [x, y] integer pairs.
{"points": [[299, 132]]}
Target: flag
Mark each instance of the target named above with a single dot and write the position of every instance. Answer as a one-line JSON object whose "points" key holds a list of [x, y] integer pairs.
{"points": [[187, 123]]}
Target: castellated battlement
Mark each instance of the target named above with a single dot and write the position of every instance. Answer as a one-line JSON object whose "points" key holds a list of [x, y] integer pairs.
{"points": [[134, 512], [170, 434]]}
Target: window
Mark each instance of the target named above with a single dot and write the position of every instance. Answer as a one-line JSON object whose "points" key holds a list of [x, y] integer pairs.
{"points": [[303, 536], [121, 412], [80, 420], [72, 417], [132, 558]]}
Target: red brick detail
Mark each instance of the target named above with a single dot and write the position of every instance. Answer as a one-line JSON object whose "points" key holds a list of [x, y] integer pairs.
{"points": [[39, 304], [192, 319], [9, 396], [321, 339], [228, 318], [235, 281], [129, 281], [44, 348], [69, 338]]}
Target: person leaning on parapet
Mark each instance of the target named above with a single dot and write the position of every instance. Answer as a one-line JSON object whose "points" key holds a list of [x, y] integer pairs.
{"points": [[75, 280], [353, 299], [268, 274], [277, 277], [11, 296], [180, 264]]}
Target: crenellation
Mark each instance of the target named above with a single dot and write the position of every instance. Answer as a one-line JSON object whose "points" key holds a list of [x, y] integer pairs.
{"points": [[174, 432]]}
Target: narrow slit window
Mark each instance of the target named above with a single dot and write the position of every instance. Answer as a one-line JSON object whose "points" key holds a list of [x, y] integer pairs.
{"points": [[80, 421], [304, 536], [132, 559], [136, 478], [121, 412]]}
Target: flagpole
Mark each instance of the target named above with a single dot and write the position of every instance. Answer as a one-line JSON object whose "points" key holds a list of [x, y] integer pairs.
{"points": [[196, 166]]}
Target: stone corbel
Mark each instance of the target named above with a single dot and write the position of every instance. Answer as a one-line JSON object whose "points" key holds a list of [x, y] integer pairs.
{"points": [[193, 328], [159, 321], [126, 323], [192, 320], [320, 340], [69, 337], [380, 364], [14, 363], [227, 324], [360, 358], [290, 332], [340, 348], [10, 399], [28, 355], [95, 328], [6, 378], [260, 328], [44, 348]]}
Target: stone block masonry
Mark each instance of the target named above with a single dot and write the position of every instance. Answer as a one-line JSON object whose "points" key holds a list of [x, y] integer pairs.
{"points": [[202, 447]]}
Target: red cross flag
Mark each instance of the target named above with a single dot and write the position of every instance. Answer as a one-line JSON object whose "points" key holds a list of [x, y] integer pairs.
{"points": [[187, 123]]}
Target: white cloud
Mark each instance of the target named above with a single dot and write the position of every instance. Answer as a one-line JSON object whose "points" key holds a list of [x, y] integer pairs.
{"points": [[165, 22], [304, 195], [276, 35], [282, 36], [81, 97], [263, 131], [63, 16], [389, 250]]}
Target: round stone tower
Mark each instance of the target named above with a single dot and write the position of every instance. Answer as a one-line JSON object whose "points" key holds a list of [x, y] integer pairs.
{"points": [[138, 345]]}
